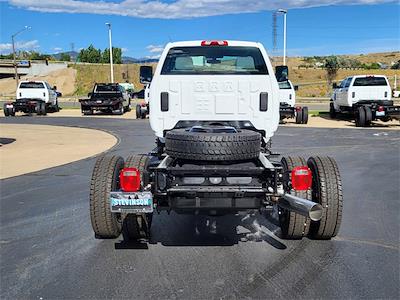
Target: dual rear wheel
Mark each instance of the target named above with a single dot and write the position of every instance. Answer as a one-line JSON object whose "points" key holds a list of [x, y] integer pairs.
{"points": [[326, 190], [105, 178]]}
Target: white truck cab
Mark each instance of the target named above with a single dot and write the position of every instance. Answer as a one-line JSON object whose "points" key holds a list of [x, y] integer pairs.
{"points": [[367, 97], [287, 93], [37, 90], [214, 81], [354, 89]]}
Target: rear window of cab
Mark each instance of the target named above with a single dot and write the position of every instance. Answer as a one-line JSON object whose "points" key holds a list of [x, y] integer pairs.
{"points": [[370, 81], [31, 85], [214, 60]]}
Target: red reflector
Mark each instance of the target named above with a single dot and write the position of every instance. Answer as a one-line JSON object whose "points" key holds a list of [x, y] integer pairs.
{"points": [[298, 108], [380, 108], [301, 178], [129, 179], [214, 43]]}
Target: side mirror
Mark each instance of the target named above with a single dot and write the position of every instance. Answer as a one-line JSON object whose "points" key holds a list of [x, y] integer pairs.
{"points": [[281, 73], [59, 94], [55, 88], [296, 87], [334, 85], [89, 95], [146, 74]]}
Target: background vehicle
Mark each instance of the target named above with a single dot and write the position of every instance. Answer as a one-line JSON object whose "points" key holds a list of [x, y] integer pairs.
{"points": [[287, 98], [214, 107], [366, 97], [142, 108], [33, 97], [107, 98]]}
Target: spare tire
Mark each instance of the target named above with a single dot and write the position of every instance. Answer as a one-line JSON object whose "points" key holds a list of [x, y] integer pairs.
{"points": [[212, 146]]}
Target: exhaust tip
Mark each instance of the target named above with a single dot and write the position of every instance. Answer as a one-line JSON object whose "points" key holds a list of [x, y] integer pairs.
{"points": [[315, 212]]}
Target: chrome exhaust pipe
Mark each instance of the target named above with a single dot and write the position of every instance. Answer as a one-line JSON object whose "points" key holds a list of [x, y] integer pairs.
{"points": [[301, 206]]}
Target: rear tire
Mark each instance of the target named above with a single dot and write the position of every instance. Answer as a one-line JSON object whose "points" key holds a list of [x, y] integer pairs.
{"points": [[299, 116], [105, 178], [304, 112], [327, 191], [293, 225], [6, 111], [332, 111], [42, 108], [138, 226], [368, 116], [138, 111], [360, 117]]}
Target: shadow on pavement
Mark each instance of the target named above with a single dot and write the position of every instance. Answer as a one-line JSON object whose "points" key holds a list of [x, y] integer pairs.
{"points": [[183, 230]]}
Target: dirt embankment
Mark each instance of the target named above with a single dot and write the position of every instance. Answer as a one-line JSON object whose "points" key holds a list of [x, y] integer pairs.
{"points": [[64, 80]]}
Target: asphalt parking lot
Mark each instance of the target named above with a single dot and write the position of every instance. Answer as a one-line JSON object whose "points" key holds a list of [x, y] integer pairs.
{"points": [[48, 249]]}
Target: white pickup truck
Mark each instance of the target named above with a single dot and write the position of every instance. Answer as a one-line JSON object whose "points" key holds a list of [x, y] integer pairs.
{"points": [[214, 105], [288, 108], [33, 97], [367, 97]]}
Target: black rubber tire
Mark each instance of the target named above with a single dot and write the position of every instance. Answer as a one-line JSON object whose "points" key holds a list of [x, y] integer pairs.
{"points": [[6, 111], [368, 116], [327, 191], [360, 117], [11, 111], [332, 111], [42, 108], [143, 115], [120, 110], [56, 108], [206, 146], [299, 117], [293, 225], [138, 111], [105, 178], [304, 117], [38, 109], [138, 226]]}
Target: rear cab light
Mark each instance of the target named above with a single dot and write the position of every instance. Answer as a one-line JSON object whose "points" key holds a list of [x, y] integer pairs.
{"points": [[301, 178], [129, 179], [381, 108], [214, 43]]}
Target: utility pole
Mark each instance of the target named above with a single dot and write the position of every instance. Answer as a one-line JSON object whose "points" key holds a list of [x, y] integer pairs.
{"points": [[111, 54], [284, 11], [14, 54]]}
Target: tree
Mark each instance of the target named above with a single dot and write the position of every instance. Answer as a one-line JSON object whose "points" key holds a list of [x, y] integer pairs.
{"points": [[117, 55], [332, 67], [90, 55], [65, 57]]}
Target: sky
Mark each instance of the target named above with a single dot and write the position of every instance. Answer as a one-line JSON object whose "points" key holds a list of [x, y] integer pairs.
{"points": [[142, 27]]}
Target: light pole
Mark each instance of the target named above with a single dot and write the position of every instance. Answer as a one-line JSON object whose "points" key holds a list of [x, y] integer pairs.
{"points": [[111, 54], [14, 55], [284, 11]]}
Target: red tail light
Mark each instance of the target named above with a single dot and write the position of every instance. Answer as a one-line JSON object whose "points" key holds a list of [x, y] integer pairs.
{"points": [[129, 179], [301, 178], [298, 108], [380, 108], [214, 43]]}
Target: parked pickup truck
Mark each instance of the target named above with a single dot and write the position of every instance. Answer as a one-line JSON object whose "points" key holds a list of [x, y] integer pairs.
{"points": [[33, 97], [366, 97], [288, 108], [214, 108], [107, 98]]}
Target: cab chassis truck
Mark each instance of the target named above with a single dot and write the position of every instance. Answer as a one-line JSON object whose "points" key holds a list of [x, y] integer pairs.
{"points": [[211, 158]]}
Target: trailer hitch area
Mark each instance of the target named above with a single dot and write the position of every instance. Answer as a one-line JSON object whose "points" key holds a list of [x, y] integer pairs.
{"points": [[301, 206]]}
